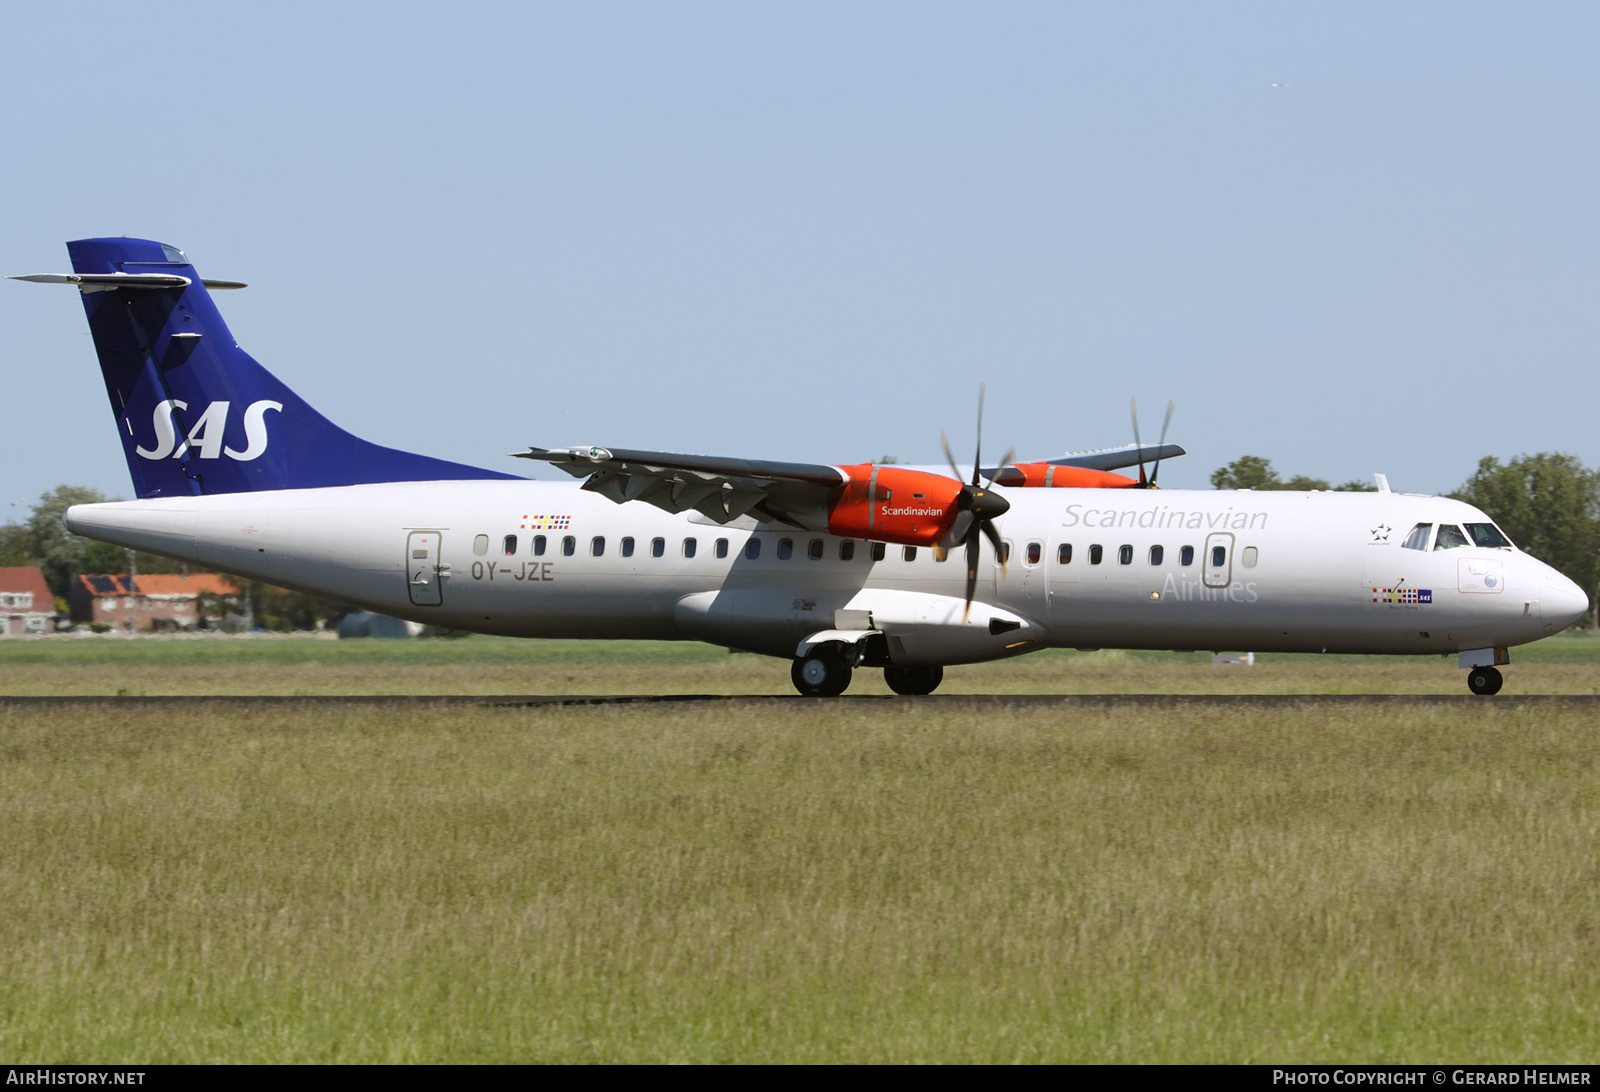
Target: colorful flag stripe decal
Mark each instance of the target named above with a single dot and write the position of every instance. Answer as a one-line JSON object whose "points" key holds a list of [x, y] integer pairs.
{"points": [[546, 523], [1402, 595]]}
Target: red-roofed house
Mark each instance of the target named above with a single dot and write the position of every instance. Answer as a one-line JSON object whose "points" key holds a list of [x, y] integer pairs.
{"points": [[26, 605], [155, 601]]}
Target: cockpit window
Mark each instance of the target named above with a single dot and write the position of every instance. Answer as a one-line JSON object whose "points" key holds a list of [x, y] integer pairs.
{"points": [[1418, 538], [1450, 538], [1488, 535], [173, 254]]}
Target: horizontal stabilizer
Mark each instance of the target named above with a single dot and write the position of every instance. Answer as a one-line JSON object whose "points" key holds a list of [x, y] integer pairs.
{"points": [[124, 280], [109, 280]]}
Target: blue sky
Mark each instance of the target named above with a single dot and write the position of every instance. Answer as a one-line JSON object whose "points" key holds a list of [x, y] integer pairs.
{"points": [[1348, 237]]}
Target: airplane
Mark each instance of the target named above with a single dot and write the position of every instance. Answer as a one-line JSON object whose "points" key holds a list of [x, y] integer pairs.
{"points": [[834, 568]]}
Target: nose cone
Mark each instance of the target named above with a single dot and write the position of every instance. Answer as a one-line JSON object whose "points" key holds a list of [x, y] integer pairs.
{"points": [[987, 504], [1563, 601]]}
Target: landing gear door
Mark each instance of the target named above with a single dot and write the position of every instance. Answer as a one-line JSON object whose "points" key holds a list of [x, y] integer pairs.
{"points": [[1219, 560], [422, 568]]}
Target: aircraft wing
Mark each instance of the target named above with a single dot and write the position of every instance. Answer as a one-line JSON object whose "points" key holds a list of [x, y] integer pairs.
{"points": [[1115, 458], [720, 488]]}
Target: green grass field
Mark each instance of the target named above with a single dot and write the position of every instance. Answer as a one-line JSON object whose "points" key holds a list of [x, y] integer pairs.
{"points": [[306, 666], [801, 881], [692, 884]]}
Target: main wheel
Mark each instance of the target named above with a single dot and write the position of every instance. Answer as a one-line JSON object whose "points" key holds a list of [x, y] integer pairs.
{"points": [[913, 680], [821, 673], [1484, 681]]}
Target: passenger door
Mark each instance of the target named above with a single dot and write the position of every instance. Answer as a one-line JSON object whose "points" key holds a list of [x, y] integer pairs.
{"points": [[423, 568]]}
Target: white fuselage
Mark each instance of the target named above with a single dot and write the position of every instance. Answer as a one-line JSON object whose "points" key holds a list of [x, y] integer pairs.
{"points": [[1303, 572]]}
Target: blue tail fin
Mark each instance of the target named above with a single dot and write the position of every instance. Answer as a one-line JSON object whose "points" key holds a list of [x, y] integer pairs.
{"points": [[195, 412]]}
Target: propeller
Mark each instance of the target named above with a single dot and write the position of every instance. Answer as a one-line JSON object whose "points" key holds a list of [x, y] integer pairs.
{"points": [[1150, 483], [977, 508], [1161, 443]]}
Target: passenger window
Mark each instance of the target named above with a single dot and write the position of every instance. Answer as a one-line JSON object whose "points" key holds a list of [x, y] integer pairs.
{"points": [[722, 547], [1450, 538], [814, 549], [1035, 552], [1064, 554], [627, 547], [1186, 556], [1219, 556], [1488, 536], [1124, 555], [658, 547], [480, 545], [569, 546], [752, 548], [1248, 558], [1418, 538], [785, 549], [1156, 554], [689, 545], [909, 553], [1096, 553], [940, 555], [538, 545], [847, 549], [597, 546], [879, 550], [1005, 553], [510, 545]]}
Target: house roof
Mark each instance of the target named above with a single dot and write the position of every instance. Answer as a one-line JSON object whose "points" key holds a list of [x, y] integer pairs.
{"points": [[27, 578], [162, 584]]}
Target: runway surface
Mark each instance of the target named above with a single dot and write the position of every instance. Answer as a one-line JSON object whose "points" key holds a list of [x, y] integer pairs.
{"points": [[932, 701]]}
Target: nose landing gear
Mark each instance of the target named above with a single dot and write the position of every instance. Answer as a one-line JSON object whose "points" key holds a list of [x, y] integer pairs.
{"points": [[1484, 681]]}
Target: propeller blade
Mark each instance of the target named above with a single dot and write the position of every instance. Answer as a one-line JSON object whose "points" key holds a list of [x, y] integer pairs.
{"points": [[940, 551], [1011, 453], [1133, 406], [994, 540], [960, 528], [973, 546], [1157, 468], [949, 456], [977, 458]]}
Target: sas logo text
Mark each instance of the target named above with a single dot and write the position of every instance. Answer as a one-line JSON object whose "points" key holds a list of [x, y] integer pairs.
{"points": [[204, 438]]}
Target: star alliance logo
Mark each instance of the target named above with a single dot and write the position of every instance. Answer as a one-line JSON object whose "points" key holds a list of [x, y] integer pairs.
{"points": [[1380, 533]]}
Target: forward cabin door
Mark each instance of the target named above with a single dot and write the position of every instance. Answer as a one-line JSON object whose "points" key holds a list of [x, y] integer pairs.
{"points": [[422, 568]]}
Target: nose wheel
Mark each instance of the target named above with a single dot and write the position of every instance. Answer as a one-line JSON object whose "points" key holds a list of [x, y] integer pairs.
{"points": [[1484, 681]]}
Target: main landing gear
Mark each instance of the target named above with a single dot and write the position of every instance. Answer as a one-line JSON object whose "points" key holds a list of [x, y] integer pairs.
{"points": [[825, 672], [1484, 681], [913, 680]]}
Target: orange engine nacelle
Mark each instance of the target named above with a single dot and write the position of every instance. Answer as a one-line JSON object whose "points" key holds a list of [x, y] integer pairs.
{"points": [[1047, 476], [890, 504]]}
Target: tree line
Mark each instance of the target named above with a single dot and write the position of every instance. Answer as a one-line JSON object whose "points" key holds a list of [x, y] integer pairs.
{"points": [[1548, 503]]}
